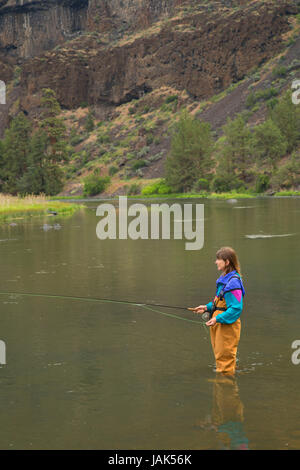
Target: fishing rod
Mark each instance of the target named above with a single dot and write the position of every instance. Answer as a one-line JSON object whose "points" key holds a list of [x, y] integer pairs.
{"points": [[95, 299], [92, 299]]}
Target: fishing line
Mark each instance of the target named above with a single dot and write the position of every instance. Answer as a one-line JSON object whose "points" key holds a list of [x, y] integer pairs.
{"points": [[91, 299]]}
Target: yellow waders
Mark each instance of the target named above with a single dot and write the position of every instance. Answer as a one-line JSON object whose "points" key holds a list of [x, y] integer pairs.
{"points": [[228, 413], [225, 339]]}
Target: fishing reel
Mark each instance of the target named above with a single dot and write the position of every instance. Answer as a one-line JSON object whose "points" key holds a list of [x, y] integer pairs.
{"points": [[205, 316]]}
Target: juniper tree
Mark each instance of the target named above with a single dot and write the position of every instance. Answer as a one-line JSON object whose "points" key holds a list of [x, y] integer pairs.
{"points": [[234, 148], [15, 150], [189, 157], [268, 143], [54, 127], [286, 115]]}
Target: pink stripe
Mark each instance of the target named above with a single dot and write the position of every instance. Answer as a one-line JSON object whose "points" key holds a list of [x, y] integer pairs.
{"points": [[237, 294]]}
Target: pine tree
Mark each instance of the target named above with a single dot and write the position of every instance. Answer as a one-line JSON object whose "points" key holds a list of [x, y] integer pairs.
{"points": [[89, 122], [15, 150], [268, 143], [54, 127], [30, 162], [42, 175], [189, 157], [286, 115], [234, 148], [34, 179], [1, 164]]}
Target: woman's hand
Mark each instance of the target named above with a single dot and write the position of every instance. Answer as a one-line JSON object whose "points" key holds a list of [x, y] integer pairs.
{"points": [[211, 322], [199, 309]]}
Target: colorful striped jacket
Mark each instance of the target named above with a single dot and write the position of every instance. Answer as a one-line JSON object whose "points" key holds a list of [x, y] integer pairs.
{"points": [[233, 294]]}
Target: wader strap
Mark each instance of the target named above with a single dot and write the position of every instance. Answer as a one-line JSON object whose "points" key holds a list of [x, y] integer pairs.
{"points": [[214, 308]]}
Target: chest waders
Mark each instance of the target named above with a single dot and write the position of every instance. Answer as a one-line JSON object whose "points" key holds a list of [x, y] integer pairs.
{"points": [[224, 337]]}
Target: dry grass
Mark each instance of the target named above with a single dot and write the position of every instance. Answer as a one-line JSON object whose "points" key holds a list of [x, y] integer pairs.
{"points": [[8, 201], [10, 205]]}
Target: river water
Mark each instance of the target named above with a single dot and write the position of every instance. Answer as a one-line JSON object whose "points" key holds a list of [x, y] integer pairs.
{"points": [[83, 374]]}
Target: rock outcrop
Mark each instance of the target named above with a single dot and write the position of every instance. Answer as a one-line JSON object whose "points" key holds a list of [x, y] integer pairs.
{"points": [[202, 53], [107, 52], [29, 27]]}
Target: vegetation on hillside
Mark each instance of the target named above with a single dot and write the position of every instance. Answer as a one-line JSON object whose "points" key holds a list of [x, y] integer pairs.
{"points": [[165, 137], [30, 157], [242, 158]]}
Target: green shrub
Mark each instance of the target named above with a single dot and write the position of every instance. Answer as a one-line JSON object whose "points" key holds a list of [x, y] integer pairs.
{"points": [[113, 170], [143, 152], [149, 139], [250, 101], [146, 109], [89, 124], [139, 164], [272, 103], [157, 188], [95, 184], [17, 75], [157, 156], [225, 183], [201, 185], [262, 183], [103, 138], [75, 139], [133, 189], [279, 71], [171, 99], [266, 94]]}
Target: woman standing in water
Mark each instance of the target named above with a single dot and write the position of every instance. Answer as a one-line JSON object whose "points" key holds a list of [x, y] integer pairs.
{"points": [[225, 311]]}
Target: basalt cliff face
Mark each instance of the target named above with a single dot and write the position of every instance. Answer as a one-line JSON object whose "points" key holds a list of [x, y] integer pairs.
{"points": [[29, 27], [108, 52], [124, 15]]}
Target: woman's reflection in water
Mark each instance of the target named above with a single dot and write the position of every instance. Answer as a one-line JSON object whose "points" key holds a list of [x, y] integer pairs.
{"points": [[227, 414]]}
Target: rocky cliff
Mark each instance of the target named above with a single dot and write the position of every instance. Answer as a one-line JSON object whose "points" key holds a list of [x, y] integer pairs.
{"points": [[29, 27], [108, 52]]}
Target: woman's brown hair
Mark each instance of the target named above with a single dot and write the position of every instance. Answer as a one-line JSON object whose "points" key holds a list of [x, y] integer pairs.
{"points": [[227, 253]]}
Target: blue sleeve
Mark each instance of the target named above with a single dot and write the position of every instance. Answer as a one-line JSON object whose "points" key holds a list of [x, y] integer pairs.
{"points": [[234, 309]]}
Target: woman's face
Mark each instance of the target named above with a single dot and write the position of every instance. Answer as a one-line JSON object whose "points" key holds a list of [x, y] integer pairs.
{"points": [[221, 264]]}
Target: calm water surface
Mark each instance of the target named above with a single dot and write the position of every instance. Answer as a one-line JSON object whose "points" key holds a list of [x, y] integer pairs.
{"points": [[99, 375]]}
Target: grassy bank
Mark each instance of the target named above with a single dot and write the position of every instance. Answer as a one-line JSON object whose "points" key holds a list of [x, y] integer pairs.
{"points": [[287, 193], [229, 195], [57, 198], [11, 206]]}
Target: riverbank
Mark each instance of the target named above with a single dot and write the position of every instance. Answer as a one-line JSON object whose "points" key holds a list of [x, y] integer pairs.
{"points": [[228, 195], [11, 206]]}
